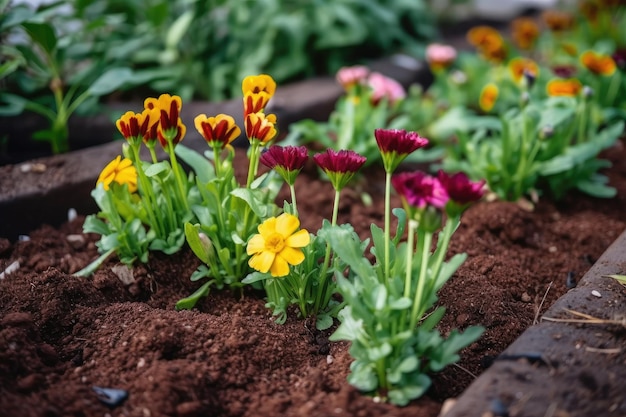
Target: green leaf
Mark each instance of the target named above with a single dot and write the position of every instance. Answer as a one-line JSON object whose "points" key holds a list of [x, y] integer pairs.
{"points": [[323, 322], [178, 29], [42, 34], [348, 247], [188, 303], [200, 165], [349, 329], [155, 169], [110, 81], [201, 246], [596, 189], [253, 277]]}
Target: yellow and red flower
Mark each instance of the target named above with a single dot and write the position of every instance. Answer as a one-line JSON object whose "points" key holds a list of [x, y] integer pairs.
{"points": [[558, 20], [570, 87], [171, 128], [598, 63], [121, 171], [524, 32], [218, 131], [488, 97], [257, 92], [520, 66], [488, 42], [261, 127]]}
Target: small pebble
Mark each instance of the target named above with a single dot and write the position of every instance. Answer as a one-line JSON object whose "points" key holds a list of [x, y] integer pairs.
{"points": [[110, 396], [329, 359], [596, 294], [71, 214], [570, 282]]}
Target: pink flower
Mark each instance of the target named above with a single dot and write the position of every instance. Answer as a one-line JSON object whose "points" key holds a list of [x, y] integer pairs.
{"points": [[288, 161], [440, 56], [399, 141], [340, 166], [460, 189], [351, 76], [385, 87], [420, 190]]}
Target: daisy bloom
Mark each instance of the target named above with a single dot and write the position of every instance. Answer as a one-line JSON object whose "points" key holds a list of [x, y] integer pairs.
{"points": [[488, 42], [558, 21], [524, 32], [120, 171], [135, 126], [278, 245], [171, 128], [460, 190], [439, 56], [349, 77], [520, 66], [419, 190], [384, 87]]}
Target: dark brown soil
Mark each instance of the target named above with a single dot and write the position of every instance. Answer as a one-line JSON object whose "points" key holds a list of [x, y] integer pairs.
{"points": [[60, 335]]}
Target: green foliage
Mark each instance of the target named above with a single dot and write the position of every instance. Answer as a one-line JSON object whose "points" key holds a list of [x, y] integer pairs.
{"points": [[393, 356]]}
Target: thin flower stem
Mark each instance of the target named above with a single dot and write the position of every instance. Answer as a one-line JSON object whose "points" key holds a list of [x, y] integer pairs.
{"points": [[216, 161], [321, 289], [613, 88], [442, 249], [387, 222], [292, 189], [146, 188], [421, 280], [175, 167], [409, 257], [252, 163]]}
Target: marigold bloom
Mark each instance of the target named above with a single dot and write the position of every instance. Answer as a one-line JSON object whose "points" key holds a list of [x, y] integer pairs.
{"points": [[260, 127], [419, 189], [340, 166], [459, 187], [257, 92], [385, 87], [171, 128], [218, 131], [567, 87], [288, 161], [348, 77], [598, 63], [121, 171], [557, 20], [520, 66], [439, 56], [488, 97], [277, 245], [524, 32], [488, 41]]}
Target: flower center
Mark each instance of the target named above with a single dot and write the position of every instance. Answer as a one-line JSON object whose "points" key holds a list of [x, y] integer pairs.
{"points": [[275, 243]]}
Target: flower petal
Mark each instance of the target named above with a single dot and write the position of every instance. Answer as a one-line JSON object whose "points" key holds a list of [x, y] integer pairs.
{"points": [[279, 267], [286, 224], [268, 227], [291, 255], [299, 239], [262, 261], [256, 244]]}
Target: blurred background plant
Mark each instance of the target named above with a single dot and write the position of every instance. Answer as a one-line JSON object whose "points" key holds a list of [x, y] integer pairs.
{"points": [[190, 48]]}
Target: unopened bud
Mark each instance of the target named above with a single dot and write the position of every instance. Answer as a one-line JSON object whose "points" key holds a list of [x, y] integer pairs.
{"points": [[530, 78], [546, 132], [588, 92], [207, 245]]}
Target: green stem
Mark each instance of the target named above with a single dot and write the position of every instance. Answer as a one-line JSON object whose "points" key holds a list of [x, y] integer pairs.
{"points": [[442, 247], [146, 188], [421, 281], [321, 289], [252, 165], [387, 223], [292, 189], [175, 167], [409, 257]]}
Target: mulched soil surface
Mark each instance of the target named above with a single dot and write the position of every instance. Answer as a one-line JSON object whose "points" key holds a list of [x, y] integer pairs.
{"points": [[61, 336]]}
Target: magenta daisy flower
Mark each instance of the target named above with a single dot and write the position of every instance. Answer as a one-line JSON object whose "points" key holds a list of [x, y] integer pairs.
{"points": [[420, 190], [288, 161], [396, 144], [340, 166], [461, 190]]}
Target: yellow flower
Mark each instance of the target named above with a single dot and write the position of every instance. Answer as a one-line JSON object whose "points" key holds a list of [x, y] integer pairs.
{"points": [[257, 92], [518, 66], [557, 20], [120, 171], [598, 63], [219, 131], [488, 97], [568, 88], [260, 127], [278, 245], [136, 127]]}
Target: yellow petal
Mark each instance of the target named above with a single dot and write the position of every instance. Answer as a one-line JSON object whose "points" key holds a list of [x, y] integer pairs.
{"points": [[256, 244], [291, 255], [262, 261], [280, 267], [299, 239], [268, 227], [286, 224]]}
